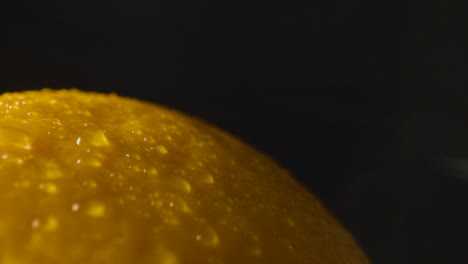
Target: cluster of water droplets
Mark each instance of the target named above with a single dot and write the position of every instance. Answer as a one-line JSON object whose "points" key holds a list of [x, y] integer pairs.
{"points": [[126, 164]]}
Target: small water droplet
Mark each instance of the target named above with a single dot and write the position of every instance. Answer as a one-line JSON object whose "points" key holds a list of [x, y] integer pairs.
{"points": [[50, 188], [162, 149], [290, 222], [207, 178], [52, 170], [91, 184], [157, 203], [207, 236], [171, 219], [23, 184], [96, 210], [180, 205], [164, 256], [75, 207], [51, 224], [35, 223], [180, 184], [256, 251], [90, 161], [152, 171]]}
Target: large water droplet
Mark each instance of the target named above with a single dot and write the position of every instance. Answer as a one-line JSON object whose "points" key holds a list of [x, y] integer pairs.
{"points": [[162, 149], [94, 136], [51, 170], [14, 137], [97, 210], [206, 178], [180, 184], [51, 224], [90, 161], [207, 236], [163, 256], [171, 219], [179, 204], [49, 188]]}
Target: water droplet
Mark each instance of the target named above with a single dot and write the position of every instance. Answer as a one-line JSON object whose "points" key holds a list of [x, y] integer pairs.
{"points": [[35, 223], [180, 184], [94, 136], [162, 149], [23, 184], [290, 222], [51, 170], [49, 187], [92, 162], [207, 236], [96, 210], [14, 137], [256, 251], [152, 171], [180, 205], [207, 178], [91, 184], [164, 256], [51, 224], [75, 207], [131, 197], [157, 203], [172, 220]]}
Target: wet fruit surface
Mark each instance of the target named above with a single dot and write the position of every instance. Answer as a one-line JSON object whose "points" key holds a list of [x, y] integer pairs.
{"points": [[92, 178]]}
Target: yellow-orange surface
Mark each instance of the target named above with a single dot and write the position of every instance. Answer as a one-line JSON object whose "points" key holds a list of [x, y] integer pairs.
{"points": [[96, 179]]}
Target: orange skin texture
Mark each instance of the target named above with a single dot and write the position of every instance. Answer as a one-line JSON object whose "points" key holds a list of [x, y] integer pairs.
{"points": [[97, 178]]}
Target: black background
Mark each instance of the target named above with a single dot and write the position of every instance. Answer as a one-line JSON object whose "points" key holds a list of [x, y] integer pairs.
{"points": [[364, 102]]}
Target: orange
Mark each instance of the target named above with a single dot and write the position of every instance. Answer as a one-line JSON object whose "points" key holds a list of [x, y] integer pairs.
{"points": [[93, 178]]}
